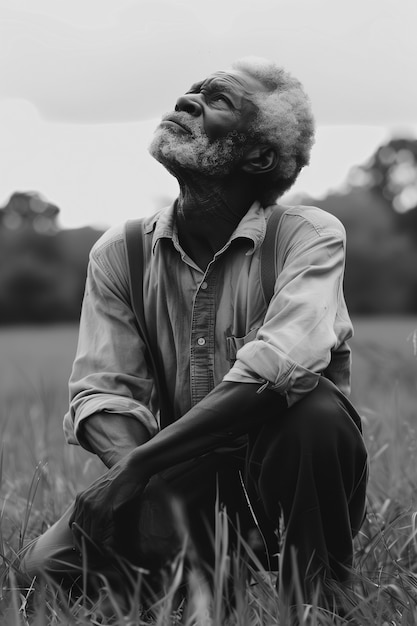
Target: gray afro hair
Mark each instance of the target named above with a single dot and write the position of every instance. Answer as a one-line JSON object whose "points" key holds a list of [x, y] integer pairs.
{"points": [[284, 121]]}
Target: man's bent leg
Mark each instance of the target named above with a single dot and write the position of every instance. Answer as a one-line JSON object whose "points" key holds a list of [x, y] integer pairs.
{"points": [[54, 558], [196, 486], [150, 535], [310, 467]]}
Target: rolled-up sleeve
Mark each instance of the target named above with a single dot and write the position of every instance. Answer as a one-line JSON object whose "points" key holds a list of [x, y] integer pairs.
{"points": [[294, 344], [109, 374]]}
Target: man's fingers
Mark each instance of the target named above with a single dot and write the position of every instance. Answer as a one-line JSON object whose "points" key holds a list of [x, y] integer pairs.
{"points": [[100, 537], [78, 535], [92, 525], [77, 511], [99, 541], [107, 538]]}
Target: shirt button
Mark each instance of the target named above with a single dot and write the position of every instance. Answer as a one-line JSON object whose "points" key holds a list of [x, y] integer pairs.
{"points": [[203, 285], [201, 341]]}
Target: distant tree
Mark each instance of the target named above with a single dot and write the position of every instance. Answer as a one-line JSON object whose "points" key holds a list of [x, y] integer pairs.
{"points": [[42, 268], [381, 260], [29, 210], [378, 208], [392, 174]]}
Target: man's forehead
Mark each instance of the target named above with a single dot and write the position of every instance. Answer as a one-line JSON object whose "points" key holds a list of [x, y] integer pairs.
{"points": [[236, 80]]}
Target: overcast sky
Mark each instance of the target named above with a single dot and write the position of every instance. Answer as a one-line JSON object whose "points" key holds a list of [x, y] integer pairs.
{"points": [[84, 82]]}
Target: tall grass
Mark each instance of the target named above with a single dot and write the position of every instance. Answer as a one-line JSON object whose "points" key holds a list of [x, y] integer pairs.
{"points": [[39, 476]]}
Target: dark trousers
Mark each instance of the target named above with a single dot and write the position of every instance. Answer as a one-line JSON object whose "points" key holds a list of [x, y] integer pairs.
{"points": [[304, 471]]}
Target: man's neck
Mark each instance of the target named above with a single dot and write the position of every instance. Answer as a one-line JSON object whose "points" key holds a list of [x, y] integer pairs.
{"points": [[208, 211]]}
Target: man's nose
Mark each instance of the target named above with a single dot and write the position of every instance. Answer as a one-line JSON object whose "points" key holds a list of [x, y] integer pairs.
{"points": [[189, 104]]}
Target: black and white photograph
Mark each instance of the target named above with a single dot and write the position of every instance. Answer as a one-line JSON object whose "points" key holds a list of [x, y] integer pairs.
{"points": [[208, 312]]}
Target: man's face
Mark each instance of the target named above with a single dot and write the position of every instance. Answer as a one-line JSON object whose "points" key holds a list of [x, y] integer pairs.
{"points": [[208, 131]]}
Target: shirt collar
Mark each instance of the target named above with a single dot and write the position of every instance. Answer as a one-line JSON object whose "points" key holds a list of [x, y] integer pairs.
{"points": [[252, 226]]}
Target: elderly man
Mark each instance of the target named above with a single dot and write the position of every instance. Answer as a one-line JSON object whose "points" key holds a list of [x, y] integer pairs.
{"points": [[256, 390]]}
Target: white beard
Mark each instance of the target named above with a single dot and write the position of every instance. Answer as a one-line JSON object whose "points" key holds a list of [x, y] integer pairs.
{"points": [[195, 151]]}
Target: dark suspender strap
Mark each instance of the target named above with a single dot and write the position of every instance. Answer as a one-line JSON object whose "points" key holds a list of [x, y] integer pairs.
{"points": [[268, 253], [134, 240], [134, 252]]}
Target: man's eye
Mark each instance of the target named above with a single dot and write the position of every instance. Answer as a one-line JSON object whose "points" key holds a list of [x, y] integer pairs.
{"points": [[220, 98]]}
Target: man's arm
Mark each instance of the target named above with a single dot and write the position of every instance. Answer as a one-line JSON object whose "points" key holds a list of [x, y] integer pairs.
{"points": [[110, 386], [228, 411], [112, 436], [307, 317]]}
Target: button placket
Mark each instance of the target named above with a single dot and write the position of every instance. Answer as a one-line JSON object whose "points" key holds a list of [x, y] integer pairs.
{"points": [[202, 339]]}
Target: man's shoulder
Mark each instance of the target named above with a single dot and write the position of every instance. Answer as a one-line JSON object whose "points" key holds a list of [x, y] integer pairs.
{"points": [[114, 237], [318, 219]]}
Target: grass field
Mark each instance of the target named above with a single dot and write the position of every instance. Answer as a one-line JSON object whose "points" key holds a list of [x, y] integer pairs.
{"points": [[34, 368]]}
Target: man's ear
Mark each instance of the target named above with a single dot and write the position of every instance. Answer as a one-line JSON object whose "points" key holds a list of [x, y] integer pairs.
{"points": [[260, 160]]}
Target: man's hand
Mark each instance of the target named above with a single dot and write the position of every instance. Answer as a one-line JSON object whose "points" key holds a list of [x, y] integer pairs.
{"points": [[230, 410], [96, 509]]}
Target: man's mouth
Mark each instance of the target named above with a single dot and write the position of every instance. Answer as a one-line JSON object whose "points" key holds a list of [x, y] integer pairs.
{"points": [[171, 121]]}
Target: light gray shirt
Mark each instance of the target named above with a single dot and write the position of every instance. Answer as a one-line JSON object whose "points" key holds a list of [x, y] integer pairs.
{"points": [[214, 325]]}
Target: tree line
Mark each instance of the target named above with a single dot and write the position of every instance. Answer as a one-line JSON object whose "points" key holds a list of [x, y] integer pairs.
{"points": [[43, 268]]}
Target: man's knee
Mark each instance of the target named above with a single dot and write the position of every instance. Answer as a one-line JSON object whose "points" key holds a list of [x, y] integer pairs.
{"points": [[52, 554], [319, 435], [54, 563], [321, 419]]}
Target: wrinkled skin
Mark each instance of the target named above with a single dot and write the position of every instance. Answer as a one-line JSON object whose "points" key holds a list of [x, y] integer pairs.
{"points": [[97, 507]]}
